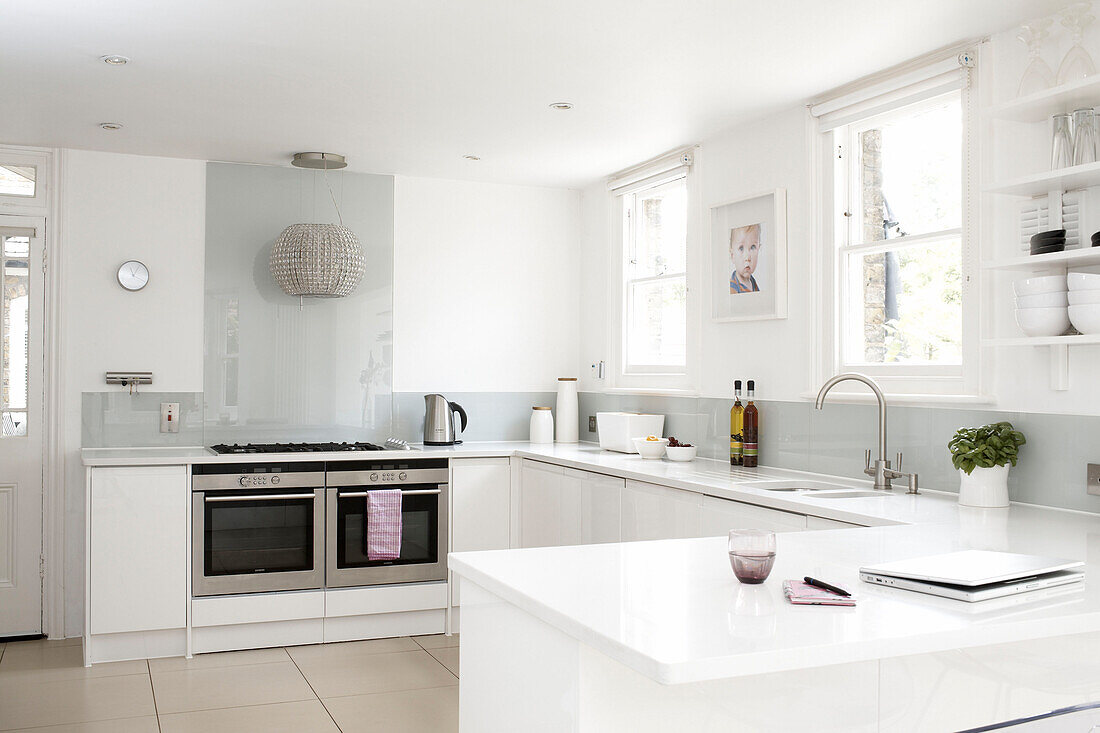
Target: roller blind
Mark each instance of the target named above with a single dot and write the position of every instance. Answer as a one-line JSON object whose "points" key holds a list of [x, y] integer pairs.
{"points": [[914, 82], [666, 166]]}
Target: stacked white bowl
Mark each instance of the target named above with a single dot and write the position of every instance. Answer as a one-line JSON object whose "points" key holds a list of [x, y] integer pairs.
{"points": [[1042, 305], [1084, 301]]}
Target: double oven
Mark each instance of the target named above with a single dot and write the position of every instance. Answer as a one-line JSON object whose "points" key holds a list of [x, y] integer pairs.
{"points": [[298, 525]]}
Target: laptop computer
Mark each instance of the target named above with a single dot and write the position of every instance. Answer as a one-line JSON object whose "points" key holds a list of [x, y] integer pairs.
{"points": [[974, 575]]}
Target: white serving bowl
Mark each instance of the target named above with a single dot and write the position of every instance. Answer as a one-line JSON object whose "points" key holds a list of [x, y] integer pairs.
{"points": [[1043, 321], [1083, 281], [650, 448], [1036, 285], [681, 452], [1042, 300], [1083, 297], [1085, 318]]}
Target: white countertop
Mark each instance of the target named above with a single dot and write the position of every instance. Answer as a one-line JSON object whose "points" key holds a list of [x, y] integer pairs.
{"points": [[672, 610]]}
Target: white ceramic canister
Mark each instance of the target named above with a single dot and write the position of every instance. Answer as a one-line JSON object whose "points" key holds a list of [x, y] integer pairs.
{"points": [[566, 427], [542, 425]]}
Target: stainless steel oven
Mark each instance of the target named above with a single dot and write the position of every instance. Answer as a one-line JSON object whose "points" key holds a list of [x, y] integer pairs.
{"points": [[423, 485], [257, 527]]}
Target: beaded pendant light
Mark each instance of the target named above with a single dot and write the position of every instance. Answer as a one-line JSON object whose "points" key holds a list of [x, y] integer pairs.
{"points": [[318, 260]]}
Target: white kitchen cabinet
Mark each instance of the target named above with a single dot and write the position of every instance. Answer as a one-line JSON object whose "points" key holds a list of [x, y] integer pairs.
{"points": [[822, 523], [651, 512], [600, 505], [137, 549], [481, 512], [719, 516], [480, 504], [550, 506]]}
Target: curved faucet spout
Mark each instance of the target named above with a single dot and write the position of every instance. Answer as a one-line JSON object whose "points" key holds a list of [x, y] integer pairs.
{"points": [[857, 377]]}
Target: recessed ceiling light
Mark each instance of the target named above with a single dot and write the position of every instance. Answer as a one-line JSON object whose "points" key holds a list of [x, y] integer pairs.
{"points": [[471, 157], [561, 105], [110, 125], [114, 60]]}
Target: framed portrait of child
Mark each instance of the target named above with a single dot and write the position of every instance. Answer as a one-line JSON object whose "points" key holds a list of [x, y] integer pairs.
{"points": [[748, 273]]}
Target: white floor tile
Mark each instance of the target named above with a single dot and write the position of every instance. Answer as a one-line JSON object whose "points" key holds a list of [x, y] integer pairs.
{"points": [[307, 716], [30, 703], [409, 711], [185, 690], [367, 673]]}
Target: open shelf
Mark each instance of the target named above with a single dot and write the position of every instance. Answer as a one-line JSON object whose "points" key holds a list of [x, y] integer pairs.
{"points": [[1063, 179], [1041, 105], [1068, 258], [1075, 340]]}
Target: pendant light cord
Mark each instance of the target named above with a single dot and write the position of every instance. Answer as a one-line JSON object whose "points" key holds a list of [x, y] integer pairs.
{"points": [[339, 216]]}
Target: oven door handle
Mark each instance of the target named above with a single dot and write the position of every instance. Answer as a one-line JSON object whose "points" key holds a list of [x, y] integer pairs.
{"points": [[258, 497], [410, 492]]}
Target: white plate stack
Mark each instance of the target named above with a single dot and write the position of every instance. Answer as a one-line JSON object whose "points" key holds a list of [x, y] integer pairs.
{"points": [[1042, 305], [1084, 301]]}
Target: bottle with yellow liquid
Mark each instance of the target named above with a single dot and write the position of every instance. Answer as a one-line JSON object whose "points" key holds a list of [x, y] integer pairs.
{"points": [[737, 421]]}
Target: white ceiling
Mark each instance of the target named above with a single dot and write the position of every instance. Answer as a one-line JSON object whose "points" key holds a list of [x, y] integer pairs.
{"points": [[410, 86]]}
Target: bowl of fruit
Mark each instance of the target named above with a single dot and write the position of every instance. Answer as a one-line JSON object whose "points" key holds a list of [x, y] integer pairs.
{"points": [[678, 451], [651, 446]]}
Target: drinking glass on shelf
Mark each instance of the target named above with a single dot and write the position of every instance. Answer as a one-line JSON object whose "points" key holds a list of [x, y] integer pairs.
{"points": [[1084, 136], [1061, 149], [1077, 64], [752, 554], [1038, 74]]}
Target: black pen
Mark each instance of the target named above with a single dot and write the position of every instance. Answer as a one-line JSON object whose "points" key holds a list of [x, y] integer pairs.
{"points": [[826, 586]]}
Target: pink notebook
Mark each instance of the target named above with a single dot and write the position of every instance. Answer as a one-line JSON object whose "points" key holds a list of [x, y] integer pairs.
{"points": [[801, 593]]}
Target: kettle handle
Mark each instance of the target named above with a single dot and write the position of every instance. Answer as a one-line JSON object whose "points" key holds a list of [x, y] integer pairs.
{"points": [[462, 413]]}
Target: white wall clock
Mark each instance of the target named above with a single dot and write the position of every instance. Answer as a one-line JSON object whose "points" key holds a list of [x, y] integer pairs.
{"points": [[133, 275]]}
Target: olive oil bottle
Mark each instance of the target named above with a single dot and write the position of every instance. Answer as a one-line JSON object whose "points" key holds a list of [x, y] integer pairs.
{"points": [[737, 416], [751, 430]]}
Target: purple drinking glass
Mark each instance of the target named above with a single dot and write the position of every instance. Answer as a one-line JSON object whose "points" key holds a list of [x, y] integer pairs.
{"points": [[752, 554]]}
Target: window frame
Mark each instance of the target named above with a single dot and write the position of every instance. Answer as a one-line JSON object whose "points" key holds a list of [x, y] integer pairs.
{"points": [[630, 239], [835, 165], [649, 378]]}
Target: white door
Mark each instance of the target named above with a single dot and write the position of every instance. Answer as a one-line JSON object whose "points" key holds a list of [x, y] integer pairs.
{"points": [[22, 303]]}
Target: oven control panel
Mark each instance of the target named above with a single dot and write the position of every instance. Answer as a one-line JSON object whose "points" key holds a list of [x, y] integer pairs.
{"points": [[258, 479], [394, 475]]}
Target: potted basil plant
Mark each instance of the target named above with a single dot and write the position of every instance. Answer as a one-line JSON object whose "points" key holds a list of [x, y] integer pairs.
{"points": [[983, 456]]}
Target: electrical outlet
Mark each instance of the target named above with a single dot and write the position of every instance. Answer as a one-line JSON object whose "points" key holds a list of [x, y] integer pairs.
{"points": [[1094, 479], [591, 423], [169, 417]]}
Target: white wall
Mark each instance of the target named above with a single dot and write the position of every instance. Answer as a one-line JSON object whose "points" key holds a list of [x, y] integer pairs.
{"points": [[751, 159], [485, 286], [114, 208]]}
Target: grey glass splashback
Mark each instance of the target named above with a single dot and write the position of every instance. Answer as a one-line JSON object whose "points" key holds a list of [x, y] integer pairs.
{"points": [[280, 368], [121, 420], [1051, 470]]}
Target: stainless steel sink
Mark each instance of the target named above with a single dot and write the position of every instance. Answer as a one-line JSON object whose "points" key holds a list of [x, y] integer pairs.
{"points": [[798, 486], [851, 494]]}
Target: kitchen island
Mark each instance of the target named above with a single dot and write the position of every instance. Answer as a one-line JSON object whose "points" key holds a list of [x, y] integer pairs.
{"points": [[659, 636]]}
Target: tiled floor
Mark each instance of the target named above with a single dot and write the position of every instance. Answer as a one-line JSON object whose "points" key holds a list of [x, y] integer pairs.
{"points": [[403, 685]]}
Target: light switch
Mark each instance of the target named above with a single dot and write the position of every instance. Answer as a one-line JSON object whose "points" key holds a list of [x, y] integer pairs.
{"points": [[169, 417]]}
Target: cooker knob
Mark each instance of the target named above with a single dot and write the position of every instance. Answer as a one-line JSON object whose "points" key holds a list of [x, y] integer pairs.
{"points": [[373, 477], [402, 476], [275, 479], [244, 480]]}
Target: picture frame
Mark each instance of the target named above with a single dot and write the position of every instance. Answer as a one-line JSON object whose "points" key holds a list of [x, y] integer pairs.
{"points": [[748, 258]]}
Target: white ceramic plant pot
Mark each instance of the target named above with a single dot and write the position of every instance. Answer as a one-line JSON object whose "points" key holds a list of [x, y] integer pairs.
{"points": [[984, 487]]}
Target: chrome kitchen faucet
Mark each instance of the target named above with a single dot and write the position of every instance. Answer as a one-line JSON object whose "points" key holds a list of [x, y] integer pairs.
{"points": [[882, 472]]}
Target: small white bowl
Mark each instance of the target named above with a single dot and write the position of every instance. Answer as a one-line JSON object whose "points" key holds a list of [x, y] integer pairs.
{"points": [[650, 448], [1043, 321], [1084, 297], [1036, 285], [1042, 300], [681, 452], [1085, 318], [1083, 281]]}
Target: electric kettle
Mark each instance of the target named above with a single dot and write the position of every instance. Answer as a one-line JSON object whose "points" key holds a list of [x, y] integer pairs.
{"points": [[439, 420]]}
